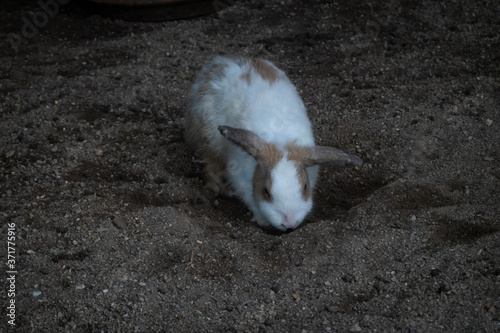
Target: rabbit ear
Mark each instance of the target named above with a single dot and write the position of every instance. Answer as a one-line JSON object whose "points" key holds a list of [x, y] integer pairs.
{"points": [[310, 156], [245, 139]]}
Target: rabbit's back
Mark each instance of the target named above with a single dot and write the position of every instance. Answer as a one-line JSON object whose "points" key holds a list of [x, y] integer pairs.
{"points": [[245, 93]]}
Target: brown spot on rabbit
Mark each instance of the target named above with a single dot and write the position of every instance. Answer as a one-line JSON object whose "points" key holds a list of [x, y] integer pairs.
{"points": [[262, 68], [268, 72], [268, 156], [215, 72], [262, 183]]}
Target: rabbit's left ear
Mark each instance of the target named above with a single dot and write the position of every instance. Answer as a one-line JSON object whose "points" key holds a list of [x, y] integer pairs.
{"points": [[316, 155], [245, 139]]}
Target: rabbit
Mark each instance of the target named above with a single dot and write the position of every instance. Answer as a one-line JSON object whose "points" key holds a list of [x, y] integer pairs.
{"points": [[251, 128]]}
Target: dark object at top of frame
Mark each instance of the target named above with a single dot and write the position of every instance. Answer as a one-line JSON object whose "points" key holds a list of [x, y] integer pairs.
{"points": [[155, 10]]}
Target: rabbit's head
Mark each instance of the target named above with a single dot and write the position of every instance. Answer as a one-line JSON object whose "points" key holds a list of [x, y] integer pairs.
{"points": [[281, 187]]}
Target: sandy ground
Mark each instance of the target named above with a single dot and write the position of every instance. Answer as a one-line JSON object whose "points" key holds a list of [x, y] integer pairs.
{"points": [[114, 234]]}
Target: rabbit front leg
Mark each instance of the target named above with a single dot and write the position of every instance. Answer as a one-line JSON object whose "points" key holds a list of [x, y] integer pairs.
{"points": [[258, 217], [261, 221]]}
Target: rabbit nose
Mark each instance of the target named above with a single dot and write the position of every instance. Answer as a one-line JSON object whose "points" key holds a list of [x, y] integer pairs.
{"points": [[289, 221]]}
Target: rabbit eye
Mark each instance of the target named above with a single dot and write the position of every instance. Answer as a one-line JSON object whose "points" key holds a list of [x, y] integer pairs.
{"points": [[305, 187], [266, 191], [267, 194]]}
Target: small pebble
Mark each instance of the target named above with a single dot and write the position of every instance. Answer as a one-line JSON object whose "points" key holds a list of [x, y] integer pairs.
{"points": [[37, 293], [444, 288], [44, 270], [99, 152], [489, 122], [435, 271], [332, 308], [269, 322], [80, 286], [355, 328], [296, 296], [348, 278], [119, 222], [10, 153]]}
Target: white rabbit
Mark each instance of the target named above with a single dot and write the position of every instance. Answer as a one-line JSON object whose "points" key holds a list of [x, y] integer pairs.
{"points": [[248, 122]]}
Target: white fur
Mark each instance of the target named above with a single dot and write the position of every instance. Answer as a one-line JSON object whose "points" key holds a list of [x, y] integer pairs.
{"points": [[274, 112], [287, 197]]}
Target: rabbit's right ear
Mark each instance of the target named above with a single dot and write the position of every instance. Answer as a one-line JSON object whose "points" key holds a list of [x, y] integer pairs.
{"points": [[317, 155], [245, 139]]}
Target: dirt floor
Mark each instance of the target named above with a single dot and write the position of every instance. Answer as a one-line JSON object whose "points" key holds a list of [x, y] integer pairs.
{"points": [[113, 231]]}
